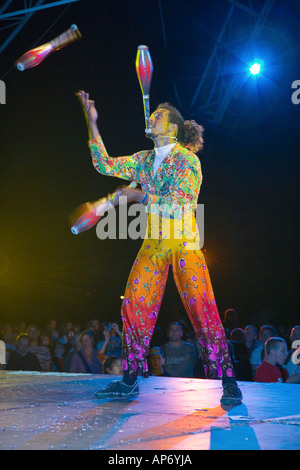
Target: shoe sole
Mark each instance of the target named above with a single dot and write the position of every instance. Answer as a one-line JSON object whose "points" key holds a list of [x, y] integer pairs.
{"points": [[231, 401], [114, 390], [111, 395]]}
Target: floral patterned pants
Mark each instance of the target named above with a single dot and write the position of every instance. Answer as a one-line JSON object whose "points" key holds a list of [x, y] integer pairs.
{"points": [[144, 294]]}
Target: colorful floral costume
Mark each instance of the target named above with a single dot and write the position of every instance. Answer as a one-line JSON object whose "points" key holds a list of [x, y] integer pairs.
{"points": [[172, 200]]}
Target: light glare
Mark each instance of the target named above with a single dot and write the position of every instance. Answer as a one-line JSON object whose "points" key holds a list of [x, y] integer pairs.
{"points": [[255, 68]]}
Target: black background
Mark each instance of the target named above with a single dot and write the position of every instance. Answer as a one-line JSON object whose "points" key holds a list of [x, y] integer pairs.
{"points": [[250, 161]]}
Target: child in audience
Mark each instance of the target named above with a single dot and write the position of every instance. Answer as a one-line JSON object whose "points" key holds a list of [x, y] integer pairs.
{"points": [[271, 370]]}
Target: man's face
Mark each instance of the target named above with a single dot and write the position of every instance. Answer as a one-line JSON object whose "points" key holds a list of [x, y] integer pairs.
{"points": [[159, 123], [175, 332]]}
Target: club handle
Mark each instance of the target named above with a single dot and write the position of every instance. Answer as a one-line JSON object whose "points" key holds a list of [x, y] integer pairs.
{"points": [[67, 37], [146, 103]]}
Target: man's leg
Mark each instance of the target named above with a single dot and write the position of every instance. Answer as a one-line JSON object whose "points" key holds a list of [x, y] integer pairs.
{"points": [[194, 285], [142, 300]]}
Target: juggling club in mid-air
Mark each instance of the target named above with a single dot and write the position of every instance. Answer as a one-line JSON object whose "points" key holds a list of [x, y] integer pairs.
{"points": [[35, 56]]}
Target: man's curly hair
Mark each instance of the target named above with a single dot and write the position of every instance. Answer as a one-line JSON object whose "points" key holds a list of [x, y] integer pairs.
{"points": [[189, 133]]}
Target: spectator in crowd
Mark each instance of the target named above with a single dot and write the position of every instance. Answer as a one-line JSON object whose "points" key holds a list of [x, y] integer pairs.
{"points": [[284, 332], [85, 359], [240, 355], [71, 341], [58, 358], [10, 338], [257, 355], [95, 327], [42, 351], [65, 327], [237, 334], [113, 365], [230, 321], [34, 334], [112, 344], [156, 360], [180, 355], [51, 328], [251, 338], [71, 345], [21, 328], [22, 358], [271, 370], [190, 337]]}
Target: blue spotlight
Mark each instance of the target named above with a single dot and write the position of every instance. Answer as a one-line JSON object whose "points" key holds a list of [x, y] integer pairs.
{"points": [[256, 67]]}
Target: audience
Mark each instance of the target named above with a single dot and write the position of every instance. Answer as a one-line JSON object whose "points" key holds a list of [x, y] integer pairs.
{"points": [[21, 358], [58, 358], [180, 355], [51, 328], [85, 359], [42, 351], [39, 345], [33, 332], [240, 354], [63, 332], [92, 349], [156, 361], [71, 341], [10, 342], [231, 321], [271, 368], [113, 365], [95, 327], [257, 355], [251, 338], [112, 343], [237, 334]]}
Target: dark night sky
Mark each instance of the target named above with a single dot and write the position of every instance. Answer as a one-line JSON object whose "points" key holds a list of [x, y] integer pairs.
{"points": [[250, 161]]}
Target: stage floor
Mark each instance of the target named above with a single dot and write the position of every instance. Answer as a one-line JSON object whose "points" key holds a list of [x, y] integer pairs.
{"points": [[59, 411]]}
